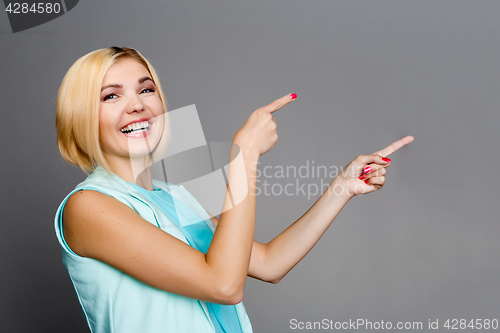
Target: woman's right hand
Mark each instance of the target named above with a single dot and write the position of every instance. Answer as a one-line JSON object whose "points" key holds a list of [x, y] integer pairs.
{"points": [[258, 134]]}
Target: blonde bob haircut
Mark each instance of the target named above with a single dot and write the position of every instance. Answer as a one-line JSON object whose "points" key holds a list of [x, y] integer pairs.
{"points": [[77, 108]]}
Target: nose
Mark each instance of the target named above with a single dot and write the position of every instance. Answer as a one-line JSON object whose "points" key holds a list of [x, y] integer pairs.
{"points": [[134, 103]]}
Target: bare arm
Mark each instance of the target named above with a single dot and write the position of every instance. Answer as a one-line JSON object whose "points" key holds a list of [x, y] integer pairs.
{"points": [[271, 262], [288, 248], [101, 227]]}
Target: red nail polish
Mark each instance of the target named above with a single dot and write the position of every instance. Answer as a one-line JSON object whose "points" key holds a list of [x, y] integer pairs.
{"points": [[293, 96], [362, 177], [366, 181], [385, 159], [367, 169]]}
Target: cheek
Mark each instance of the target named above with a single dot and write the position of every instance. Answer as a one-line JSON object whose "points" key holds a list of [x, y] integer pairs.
{"points": [[107, 126], [156, 106], [107, 122], [102, 126]]}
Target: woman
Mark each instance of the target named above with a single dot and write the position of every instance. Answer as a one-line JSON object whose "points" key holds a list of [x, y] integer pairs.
{"points": [[143, 255]]}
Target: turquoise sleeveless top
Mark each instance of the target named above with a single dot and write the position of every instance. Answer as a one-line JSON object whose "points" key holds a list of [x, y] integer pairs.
{"points": [[114, 302], [199, 236]]}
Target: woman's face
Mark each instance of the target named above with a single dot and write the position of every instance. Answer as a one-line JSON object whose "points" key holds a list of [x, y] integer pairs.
{"points": [[129, 103]]}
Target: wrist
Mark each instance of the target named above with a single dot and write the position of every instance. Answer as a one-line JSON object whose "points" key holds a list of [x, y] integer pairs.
{"points": [[245, 148], [339, 188]]}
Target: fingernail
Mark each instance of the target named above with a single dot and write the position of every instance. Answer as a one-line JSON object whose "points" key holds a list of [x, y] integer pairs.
{"points": [[367, 169], [385, 159], [366, 181], [293, 96], [362, 177]]}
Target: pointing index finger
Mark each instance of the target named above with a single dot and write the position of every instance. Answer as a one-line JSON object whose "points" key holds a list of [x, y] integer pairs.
{"points": [[279, 103], [395, 146]]}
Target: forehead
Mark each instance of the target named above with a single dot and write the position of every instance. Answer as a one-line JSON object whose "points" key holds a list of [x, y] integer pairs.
{"points": [[123, 70]]}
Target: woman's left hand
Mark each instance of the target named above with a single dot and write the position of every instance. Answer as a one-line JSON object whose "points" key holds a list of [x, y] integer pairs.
{"points": [[366, 173]]}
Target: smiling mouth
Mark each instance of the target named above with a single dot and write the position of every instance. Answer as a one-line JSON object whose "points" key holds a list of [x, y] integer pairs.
{"points": [[136, 128]]}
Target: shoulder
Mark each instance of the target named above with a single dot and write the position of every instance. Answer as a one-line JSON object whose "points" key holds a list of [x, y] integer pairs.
{"points": [[88, 215], [88, 204], [83, 198], [89, 200]]}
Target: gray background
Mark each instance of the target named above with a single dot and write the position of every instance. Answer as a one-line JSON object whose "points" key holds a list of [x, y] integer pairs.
{"points": [[366, 73]]}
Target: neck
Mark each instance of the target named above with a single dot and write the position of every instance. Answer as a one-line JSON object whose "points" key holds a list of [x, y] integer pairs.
{"points": [[133, 170]]}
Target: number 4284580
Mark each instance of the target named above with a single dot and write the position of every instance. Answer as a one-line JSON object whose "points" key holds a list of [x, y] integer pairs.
{"points": [[36, 8]]}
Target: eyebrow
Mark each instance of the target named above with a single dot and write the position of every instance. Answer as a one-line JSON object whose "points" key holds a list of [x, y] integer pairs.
{"points": [[116, 85]]}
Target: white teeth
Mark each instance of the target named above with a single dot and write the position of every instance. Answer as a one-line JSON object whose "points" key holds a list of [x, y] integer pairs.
{"points": [[138, 127]]}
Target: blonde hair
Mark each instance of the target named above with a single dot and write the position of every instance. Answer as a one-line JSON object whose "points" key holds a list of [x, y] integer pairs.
{"points": [[77, 107]]}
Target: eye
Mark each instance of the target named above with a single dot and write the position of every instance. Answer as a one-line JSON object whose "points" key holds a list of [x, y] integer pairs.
{"points": [[109, 96], [147, 90]]}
